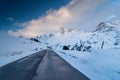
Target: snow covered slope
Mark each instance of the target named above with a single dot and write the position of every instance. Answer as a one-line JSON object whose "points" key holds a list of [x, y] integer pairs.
{"points": [[97, 65], [106, 35], [13, 48]]}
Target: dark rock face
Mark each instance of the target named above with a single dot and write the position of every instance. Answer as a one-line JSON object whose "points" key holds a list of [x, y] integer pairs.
{"points": [[65, 48]]}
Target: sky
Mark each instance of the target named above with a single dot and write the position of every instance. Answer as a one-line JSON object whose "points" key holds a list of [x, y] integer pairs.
{"points": [[18, 11], [31, 18]]}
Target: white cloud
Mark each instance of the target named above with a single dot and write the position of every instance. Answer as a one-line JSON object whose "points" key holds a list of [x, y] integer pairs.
{"points": [[78, 14]]}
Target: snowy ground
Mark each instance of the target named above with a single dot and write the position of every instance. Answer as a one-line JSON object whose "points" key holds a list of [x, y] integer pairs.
{"points": [[13, 48], [97, 65]]}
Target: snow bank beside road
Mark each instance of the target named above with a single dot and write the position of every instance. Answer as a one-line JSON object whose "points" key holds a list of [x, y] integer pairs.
{"points": [[97, 65], [13, 48]]}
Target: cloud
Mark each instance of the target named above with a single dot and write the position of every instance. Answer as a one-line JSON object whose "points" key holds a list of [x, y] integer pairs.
{"points": [[46, 24], [77, 14], [10, 19]]}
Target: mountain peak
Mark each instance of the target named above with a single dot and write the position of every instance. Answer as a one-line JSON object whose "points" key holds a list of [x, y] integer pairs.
{"points": [[108, 26]]}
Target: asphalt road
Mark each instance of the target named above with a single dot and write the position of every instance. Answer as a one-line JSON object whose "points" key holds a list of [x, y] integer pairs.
{"points": [[44, 65]]}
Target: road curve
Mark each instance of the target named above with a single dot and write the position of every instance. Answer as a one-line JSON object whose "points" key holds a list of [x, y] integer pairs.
{"points": [[43, 65]]}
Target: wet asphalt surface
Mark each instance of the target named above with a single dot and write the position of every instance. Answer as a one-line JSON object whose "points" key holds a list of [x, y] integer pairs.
{"points": [[43, 65]]}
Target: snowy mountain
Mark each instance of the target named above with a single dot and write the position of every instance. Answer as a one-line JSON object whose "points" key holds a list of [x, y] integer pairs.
{"points": [[105, 35], [109, 33]]}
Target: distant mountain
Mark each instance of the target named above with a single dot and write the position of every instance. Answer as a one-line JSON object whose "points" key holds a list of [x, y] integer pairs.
{"points": [[105, 35], [108, 26]]}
